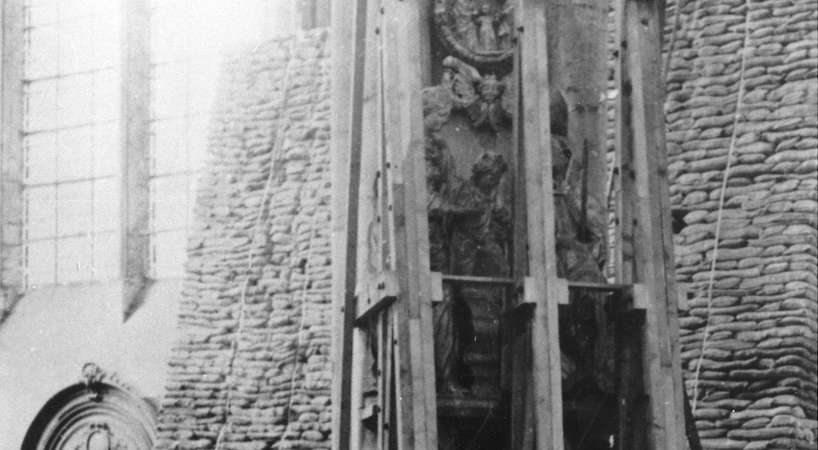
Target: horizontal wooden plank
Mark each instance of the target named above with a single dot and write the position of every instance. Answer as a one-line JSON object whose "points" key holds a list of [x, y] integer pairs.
{"points": [[373, 308], [599, 287], [468, 279]]}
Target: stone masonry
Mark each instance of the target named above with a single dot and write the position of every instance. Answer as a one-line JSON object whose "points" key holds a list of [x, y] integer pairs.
{"points": [[749, 336], [251, 367]]}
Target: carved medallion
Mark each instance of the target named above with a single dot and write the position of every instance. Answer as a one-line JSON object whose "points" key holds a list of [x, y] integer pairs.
{"points": [[479, 31]]}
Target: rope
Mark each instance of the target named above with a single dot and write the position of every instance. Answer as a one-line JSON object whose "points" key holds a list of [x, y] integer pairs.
{"points": [[278, 143], [307, 283], [302, 322], [722, 193], [677, 21]]}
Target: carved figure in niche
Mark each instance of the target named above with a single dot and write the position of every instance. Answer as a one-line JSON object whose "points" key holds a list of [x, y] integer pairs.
{"points": [[469, 223], [485, 99], [576, 242], [477, 31], [463, 11], [476, 226], [452, 318], [580, 257], [481, 226], [485, 23], [502, 21], [439, 171]]}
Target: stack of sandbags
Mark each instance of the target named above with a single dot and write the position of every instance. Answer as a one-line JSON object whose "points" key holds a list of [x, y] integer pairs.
{"points": [[750, 348], [251, 368]]}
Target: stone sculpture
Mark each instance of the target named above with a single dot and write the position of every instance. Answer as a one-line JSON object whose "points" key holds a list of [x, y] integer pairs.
{"points": [[484, 98], [468, 235], [587, 335], [478, 31], [469, 222], [481, 223], [439, 171], [452, 322]]}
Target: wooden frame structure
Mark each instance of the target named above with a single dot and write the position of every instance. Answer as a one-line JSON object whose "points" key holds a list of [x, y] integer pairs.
{"points": [[380, 198]]}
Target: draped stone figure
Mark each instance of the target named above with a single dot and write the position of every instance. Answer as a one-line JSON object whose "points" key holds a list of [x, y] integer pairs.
{"points": [[439, 176], [487, 36], [588, 342], [452, 321], [469, 230], [481, 225]]}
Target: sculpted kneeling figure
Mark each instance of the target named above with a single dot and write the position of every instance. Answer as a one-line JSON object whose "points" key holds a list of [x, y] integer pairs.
{"points": [[468, 234]]}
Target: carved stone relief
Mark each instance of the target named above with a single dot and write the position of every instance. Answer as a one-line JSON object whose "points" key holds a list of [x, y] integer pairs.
{"points": [[479, 31], [467, 151], [467, 118], [485, 100], [98, 413]]}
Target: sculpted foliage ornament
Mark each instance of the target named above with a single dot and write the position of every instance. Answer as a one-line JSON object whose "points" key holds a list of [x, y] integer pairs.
{"points": [[479, 31], [485, 99]]}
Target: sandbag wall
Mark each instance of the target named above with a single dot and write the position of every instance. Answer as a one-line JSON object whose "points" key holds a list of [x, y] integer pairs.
{"points": [[251, 368], [749, 336]]}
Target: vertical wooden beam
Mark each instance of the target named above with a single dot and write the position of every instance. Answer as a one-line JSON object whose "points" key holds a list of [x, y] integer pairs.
{"points": [[403, 121], [654, 257], [369, 258], [543, 288], [348, 30], [12, 48], [623, 148], [632, 425], [135, 151]]}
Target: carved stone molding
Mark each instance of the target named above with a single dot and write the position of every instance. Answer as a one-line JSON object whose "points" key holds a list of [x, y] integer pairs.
{"points": [[98, 413], [478, 31]]}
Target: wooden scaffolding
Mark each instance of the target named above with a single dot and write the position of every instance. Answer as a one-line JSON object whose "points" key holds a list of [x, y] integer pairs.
{"points": [[384, 290]]}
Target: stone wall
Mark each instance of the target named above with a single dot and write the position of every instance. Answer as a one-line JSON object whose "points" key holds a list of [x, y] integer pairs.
{"points": [[749, 337], [251, 368]]}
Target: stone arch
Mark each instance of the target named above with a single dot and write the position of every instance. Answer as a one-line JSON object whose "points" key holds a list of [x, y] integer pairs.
{"points": [[97, 413]]}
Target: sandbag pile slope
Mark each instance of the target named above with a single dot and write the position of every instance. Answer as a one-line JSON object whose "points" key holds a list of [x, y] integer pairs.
{"points": [[743, 85], [251, 368]]}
